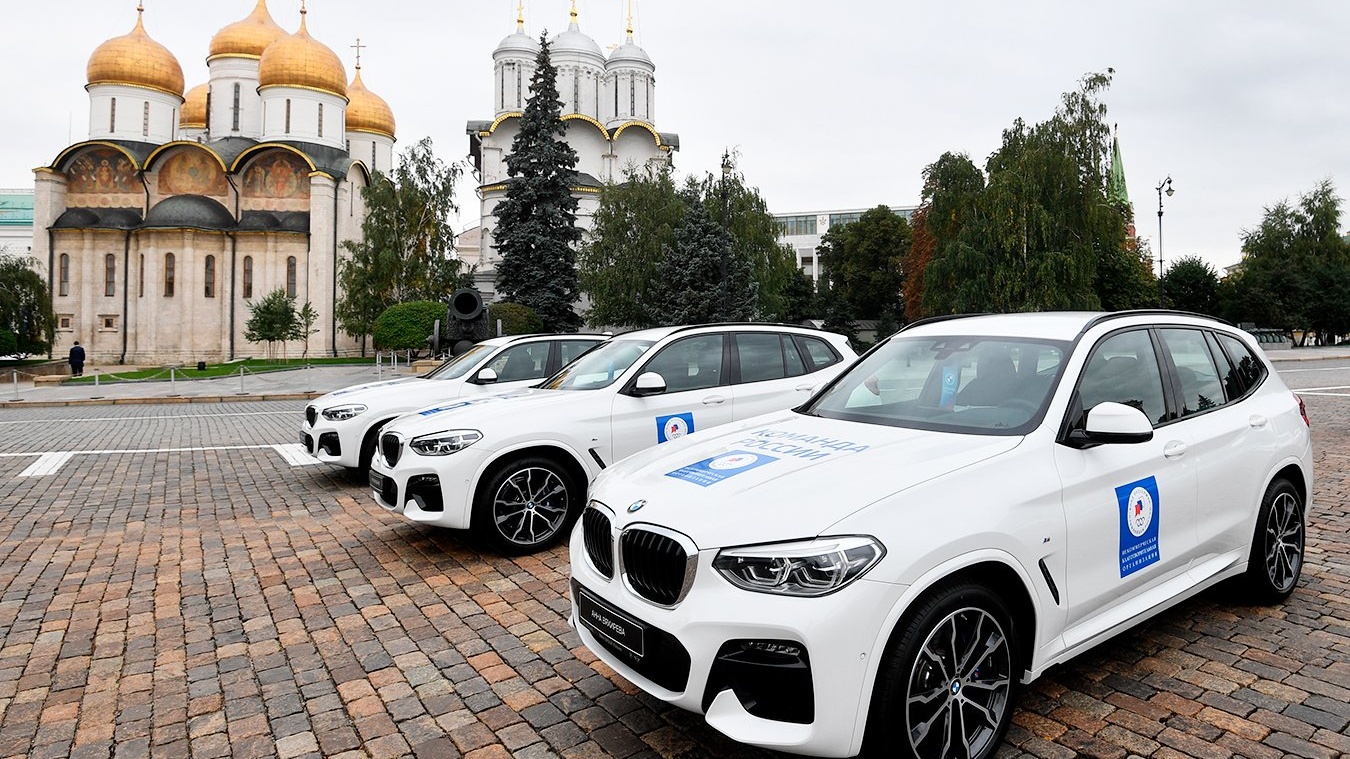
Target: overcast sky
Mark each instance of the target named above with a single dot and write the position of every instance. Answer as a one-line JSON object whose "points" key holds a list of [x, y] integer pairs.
{"points": [[829, 105]]}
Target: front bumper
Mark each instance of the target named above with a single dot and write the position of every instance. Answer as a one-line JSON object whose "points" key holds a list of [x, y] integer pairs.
{"points": [[434, 490], [333, 442], [732, 654]]}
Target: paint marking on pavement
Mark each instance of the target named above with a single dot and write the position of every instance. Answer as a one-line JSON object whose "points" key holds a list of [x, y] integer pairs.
{"points": [[295, 454], [46, 464], [1319, 369], [1322, 394], [144, 418], [1319, 389], [50, 461]]}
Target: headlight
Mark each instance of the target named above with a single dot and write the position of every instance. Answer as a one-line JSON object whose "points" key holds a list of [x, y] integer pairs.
{"points": [[804, 568], [444, 443], [339, 413]]}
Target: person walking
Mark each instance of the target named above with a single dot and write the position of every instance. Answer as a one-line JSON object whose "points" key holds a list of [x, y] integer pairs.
{"points": [[77, 359]]}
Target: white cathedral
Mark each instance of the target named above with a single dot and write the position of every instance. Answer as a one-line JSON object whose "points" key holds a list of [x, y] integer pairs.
{"points": [[180, 209], [609, 109]]}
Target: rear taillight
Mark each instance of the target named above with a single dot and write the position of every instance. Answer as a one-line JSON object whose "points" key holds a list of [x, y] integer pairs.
{"points": [[1302, 410]]}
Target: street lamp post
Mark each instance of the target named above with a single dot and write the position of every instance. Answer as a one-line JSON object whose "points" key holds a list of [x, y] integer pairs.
{"points": [[1164, 186], [726, 172]]}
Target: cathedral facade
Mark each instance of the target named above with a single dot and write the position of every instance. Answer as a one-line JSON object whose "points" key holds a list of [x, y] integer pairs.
{"points": [[184, 207], [609, 112]]}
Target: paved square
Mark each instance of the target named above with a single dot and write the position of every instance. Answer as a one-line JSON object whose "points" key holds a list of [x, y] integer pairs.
{"points": [[189, 592]]}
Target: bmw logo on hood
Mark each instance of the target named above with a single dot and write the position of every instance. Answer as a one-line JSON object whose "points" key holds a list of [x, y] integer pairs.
{"points": [[636, 505]]}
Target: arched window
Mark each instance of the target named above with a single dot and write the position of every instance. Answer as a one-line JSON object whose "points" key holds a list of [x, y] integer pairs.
{"points": [[140, 279], [210, 276], [168, 275], [112, 114], [288, 116], [145, 119], [236, 106], [248, 277], [65, 275], [320, 119], [290, 276], [110, 275]]}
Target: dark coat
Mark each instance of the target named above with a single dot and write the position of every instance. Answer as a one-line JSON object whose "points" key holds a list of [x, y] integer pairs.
{"points": [[77, 355]]}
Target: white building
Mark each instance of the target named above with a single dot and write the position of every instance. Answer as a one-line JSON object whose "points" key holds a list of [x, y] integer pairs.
{"points": [[178, 211], [609, 108], [802, 231], [16, 222]]}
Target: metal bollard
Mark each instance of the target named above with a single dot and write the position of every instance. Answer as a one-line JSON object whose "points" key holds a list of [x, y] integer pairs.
{"points": [[173, 382], [14, 374], [96, 376], [241, 381]]}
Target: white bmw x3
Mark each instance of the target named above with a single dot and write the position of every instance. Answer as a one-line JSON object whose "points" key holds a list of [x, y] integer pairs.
{"points": [[514, 467], [343, 426], [973, 501]]}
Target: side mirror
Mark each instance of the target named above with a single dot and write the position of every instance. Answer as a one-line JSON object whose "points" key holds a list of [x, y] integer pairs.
{"points": [[649, 383], [486, 376], [1109, 423]]}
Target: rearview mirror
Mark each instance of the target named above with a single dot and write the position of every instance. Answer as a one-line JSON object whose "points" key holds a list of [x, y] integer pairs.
{"points": [[1110, 422], [486, 376], [649, 383]]}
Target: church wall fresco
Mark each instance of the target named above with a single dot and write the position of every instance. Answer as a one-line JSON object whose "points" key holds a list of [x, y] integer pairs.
{"points": [[103, 178], [276, 181], [192, 172]]}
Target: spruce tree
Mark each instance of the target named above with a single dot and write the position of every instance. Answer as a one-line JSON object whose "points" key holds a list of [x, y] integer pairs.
{"points": [[536, 221], [694, 286]]}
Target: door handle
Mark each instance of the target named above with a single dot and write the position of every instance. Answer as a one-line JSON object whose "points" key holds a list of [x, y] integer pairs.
{"points": [[804, 388], [714, 400], [1257, 421], [1174, 450]]}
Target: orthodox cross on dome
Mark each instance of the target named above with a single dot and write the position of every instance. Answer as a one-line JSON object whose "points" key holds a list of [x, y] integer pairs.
{"points": [[520, 15], [574, 11], [358, 47], [630, 20]]}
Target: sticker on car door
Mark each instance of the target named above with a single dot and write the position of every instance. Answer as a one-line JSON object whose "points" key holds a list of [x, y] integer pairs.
{"points": [[1138, 502], [674, 426]]}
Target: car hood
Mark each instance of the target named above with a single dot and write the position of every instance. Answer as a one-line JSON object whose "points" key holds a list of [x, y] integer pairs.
{"points": [[364, 391], [781, 476], [489, 414]]}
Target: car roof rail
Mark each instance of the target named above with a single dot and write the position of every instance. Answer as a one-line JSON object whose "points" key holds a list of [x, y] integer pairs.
{"points": [[686, 327], [1106, 317], [937, 319]]}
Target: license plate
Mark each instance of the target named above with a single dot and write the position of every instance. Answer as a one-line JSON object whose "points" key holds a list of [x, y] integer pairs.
{"points": [[610, 623]]}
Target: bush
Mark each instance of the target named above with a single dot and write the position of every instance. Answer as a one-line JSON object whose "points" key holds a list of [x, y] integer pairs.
{"points": [[516, 318], [9, 343], [406, 326]]}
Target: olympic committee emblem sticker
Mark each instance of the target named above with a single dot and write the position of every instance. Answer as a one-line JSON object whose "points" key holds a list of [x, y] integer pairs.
{"points": [[713, 470], [1138, 503], [674, 426]]}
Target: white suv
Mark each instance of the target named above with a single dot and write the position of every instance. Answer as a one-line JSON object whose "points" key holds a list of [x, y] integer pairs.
{"points": [[514, 467], [342, 426], [973, 501]]}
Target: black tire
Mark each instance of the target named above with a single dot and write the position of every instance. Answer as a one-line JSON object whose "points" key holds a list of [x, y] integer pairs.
{"points": [[526, 505], [1276, 558], [368, 445], [948, 684]]}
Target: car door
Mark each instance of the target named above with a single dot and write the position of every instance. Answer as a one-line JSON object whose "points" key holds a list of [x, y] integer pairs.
{"points": [[696, 397], [769, 374], [1129, 508], [1233, 442]]}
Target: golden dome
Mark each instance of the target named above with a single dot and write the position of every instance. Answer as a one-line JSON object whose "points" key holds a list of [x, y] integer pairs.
{"points": [[299, 60], [247, 38], [366, 111], [135, 59], [193, 115]]}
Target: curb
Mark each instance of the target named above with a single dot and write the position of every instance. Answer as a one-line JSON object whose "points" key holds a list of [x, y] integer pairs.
{"points": [[23, 403]]}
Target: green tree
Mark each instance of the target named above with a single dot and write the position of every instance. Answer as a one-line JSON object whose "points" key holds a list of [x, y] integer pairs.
{"points": [[405, 326], [799, 299], [754, 237], [516, 319], [1043, 224], [951, 192], [407, 242], [1293, 269], [1191, 284], [25, 307], [863, 262], [271, 320], [304, 324], [633, 228], [701, 281], [536, 221]]}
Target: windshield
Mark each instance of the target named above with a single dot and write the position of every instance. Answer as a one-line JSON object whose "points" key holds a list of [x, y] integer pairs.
{"points": [[459, 365], [973, 384], [600, 367]]}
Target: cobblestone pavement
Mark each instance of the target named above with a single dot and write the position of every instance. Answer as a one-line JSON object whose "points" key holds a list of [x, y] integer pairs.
{"points": [[187, 592]]}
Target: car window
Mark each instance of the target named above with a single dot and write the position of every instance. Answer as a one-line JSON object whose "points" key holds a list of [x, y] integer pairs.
{"points": [[760, 356], [693, 363], [976, 384], [460, 365], [600, 367], [521, 362], [570, 349], [1232, 383], [1250, 368], [792, 357], [1124, 369], [1197, 375], [818, 352]]}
